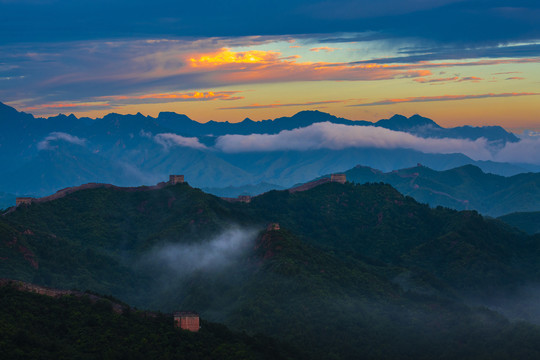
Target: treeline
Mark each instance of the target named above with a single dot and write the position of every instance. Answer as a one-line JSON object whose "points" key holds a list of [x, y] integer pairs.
{"points": [[36, 326]]}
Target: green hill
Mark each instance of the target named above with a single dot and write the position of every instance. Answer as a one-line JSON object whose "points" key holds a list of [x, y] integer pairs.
{"points": [[36, 326], [462, 188], [526, 221], [356, 271]]}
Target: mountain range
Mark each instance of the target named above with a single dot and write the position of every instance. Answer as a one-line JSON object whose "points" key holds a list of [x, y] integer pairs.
{"points": [[463, 188], [40, 156], [526, 221], [337, 269]]}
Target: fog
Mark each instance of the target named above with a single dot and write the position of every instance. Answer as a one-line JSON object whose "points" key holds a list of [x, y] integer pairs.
{"points": [[177, 260], [520, 304]]}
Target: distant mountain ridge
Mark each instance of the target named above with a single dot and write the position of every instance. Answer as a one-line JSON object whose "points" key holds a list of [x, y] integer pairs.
{"points": [[39, 156], [525, 221], [462, 188], [465, 187], [183, 125]]}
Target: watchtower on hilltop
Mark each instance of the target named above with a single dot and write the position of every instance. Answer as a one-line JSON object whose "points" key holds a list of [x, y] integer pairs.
{"points": [[340, 178], [187, 320], [176, 179], [244, 198], [23, 200]]}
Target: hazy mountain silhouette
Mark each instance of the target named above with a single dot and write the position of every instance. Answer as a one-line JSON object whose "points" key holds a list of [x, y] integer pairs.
{"points": [[463, 188], [525, 221], [40, 156]]}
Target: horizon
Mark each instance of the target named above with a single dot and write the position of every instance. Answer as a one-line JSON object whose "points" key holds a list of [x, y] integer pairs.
{"points": [[374, 121]]}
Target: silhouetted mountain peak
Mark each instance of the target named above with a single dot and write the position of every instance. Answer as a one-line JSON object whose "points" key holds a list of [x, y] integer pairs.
{"points": [[398, 117], [492, 133], [400, 123], [469, 169], [63, 117], [315, 115], [421, 121], [172, 115], [6, 109]]}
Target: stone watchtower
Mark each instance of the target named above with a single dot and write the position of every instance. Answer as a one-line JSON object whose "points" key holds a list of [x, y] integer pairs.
{"points": [[23, 200], [176, 179], [187, 320], [340, 178]]}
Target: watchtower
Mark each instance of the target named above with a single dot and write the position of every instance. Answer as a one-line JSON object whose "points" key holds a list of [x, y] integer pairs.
{"points": [[187, 320], [340, 178], [244, 198], [176, 179], [23, 200]]}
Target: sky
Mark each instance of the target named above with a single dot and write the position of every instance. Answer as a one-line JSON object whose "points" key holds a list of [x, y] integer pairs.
{"points": [[458, 62]]}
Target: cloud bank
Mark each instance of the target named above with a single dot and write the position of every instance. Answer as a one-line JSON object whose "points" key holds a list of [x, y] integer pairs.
{"points": [[45, 144], [339, 137]]}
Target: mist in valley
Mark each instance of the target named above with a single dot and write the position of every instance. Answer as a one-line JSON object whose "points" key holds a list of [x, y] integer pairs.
{"points": [[182, 273]]}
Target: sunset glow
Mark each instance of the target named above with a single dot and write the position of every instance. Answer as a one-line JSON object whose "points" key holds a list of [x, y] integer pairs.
{"points": [[265, 76], [226, 56]]}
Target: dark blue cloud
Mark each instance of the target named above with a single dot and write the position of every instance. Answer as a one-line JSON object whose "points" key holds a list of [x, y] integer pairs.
{"points": [[439, 21]]}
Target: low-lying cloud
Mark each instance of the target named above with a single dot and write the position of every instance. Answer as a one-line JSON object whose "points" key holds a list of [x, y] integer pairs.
{"points": [[215, 254], [338, 137], [45, 144], [524, 151], [168, 140]]}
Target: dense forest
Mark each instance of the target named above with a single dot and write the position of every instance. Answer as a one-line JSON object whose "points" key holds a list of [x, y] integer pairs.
{"points": [[36, 326], [354, 271]]}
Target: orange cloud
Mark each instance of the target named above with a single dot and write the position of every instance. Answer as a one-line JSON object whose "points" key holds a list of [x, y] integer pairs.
{"points": [[190, 96], [226, 56], [269, 66], [229, 67], [515, 78], [471, 78], [424, 80], [442, 98], [323, 48], [507, 72], [455, 78]]}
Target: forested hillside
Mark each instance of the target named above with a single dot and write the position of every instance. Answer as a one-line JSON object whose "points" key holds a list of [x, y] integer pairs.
{"points": [[354, 271]]}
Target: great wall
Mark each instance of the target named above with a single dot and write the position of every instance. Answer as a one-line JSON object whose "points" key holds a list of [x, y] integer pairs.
{"points": [[173, 180], [186, 320], [56, 293]]}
